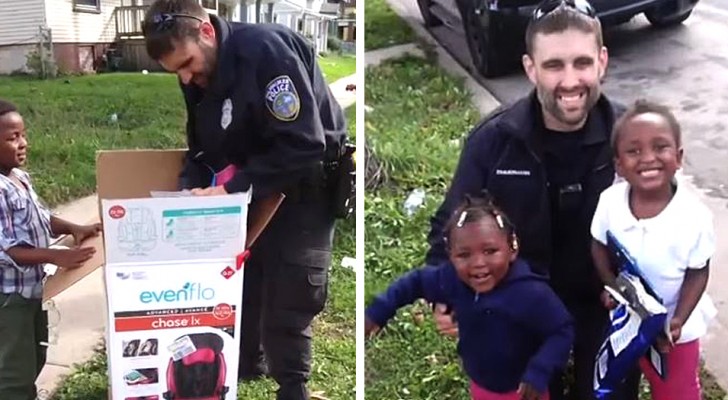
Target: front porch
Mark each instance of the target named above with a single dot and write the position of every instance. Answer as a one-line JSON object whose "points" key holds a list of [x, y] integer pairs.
{"points": [[313, 25]]}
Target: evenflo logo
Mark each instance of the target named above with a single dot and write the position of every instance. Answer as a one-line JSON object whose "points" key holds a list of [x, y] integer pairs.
{"points": [[189, 292]]}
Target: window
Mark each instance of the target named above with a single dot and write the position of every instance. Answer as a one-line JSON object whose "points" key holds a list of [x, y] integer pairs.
{"points": [[225, 11], [87, 5], [209, 4]]}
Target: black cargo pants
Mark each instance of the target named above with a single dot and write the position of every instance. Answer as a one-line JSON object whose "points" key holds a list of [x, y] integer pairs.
{"points": [[285, 287], [591, 322]]}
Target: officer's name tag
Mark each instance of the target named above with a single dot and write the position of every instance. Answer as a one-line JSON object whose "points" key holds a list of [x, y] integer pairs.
{"points": [[281, 98]]}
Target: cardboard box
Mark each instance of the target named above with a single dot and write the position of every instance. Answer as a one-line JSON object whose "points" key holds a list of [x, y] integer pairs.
{"points": [[127, 174], [154, 332]]}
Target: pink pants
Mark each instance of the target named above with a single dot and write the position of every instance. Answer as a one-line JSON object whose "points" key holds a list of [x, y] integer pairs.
{"points": [[479, 393], [682, 374]]}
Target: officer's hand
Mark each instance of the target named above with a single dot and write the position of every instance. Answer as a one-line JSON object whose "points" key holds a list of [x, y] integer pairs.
{"points": [[445, 322], [210, 191]]}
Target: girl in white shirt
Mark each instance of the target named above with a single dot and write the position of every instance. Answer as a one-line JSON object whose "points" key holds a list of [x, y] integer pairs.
{"points": [[669, 232]]}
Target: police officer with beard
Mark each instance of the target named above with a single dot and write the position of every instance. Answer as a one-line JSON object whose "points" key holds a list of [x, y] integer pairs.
{"points": [[260, 115], [545, 160]]}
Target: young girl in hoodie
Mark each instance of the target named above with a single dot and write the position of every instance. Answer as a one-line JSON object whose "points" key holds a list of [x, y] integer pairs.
{"points": [[514, 331]]}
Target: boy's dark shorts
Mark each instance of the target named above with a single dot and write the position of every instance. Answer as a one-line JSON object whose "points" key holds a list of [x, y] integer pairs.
{"points": [[23, 326]]}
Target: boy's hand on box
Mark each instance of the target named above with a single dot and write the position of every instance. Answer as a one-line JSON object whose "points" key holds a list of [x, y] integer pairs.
{"points": [[527, 392], [72, 258], [83, 232]]}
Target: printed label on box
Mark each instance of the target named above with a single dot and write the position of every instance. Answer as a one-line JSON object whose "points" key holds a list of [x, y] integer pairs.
{"points": [[169, 229], [172, 308]]}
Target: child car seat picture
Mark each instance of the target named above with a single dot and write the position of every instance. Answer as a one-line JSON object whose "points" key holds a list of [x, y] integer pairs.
{"points": [[199, 375]]}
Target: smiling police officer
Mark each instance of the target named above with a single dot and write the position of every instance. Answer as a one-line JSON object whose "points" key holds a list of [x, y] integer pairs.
{"points": [[260, 114]]}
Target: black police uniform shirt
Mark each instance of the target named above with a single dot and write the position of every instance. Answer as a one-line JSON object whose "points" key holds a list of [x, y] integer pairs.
{"points": [[505, 155], [267, 110]]}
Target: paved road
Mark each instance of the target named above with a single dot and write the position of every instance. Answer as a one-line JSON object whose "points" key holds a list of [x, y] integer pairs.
{"points": [[685, 67]]}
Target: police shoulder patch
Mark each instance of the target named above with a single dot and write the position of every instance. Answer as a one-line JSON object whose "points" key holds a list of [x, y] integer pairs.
{"points": [[282, 99]]}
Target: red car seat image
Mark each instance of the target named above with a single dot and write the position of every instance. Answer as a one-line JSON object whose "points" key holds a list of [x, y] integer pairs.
{"points": [[201, 374]]}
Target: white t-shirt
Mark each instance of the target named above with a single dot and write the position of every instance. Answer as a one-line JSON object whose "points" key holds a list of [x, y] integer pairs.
{"points": [[665, 246]]}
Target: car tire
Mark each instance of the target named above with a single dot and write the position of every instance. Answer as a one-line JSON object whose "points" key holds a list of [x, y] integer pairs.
{"points": [[482, 44], [660, 18], [430, 19]]}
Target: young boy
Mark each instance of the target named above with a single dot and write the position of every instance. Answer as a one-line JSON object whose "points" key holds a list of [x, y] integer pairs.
{"points": [[26, 230]]}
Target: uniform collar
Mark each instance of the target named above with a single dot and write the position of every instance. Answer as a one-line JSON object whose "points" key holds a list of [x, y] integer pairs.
{"points": [[627, 221], [225, 56], [525, 120]]}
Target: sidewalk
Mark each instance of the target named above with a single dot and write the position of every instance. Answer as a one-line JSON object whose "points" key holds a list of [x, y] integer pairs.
{"points": [[82, 307], [714, 344]]}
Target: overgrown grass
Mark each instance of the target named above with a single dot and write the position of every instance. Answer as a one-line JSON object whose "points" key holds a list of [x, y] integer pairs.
{"points": [[336, 66], [69, 119], [383, 27], [418, 116]]}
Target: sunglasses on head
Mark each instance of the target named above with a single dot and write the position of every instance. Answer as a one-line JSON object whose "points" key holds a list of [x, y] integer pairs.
{"points": [[548, 6], [165, 21]]}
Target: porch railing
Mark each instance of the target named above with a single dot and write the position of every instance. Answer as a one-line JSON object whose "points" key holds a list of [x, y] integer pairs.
{"points": [[129, 21]]}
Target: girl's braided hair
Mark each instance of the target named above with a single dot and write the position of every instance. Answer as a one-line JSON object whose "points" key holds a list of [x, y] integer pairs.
{"points": [[475, 208]]}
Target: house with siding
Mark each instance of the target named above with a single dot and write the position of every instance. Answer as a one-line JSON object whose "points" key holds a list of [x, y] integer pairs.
{"points": [[78, 29], [82, 31]]}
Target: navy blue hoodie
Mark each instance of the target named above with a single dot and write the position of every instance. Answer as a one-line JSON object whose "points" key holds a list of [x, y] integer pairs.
{"points": [[518, 332]]}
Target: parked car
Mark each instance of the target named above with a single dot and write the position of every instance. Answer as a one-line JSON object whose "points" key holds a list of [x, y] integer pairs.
{"points": [[494, 29]]}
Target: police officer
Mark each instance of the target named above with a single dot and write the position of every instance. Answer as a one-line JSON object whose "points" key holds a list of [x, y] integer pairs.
{"points": [[546, 159], [260, 115]]}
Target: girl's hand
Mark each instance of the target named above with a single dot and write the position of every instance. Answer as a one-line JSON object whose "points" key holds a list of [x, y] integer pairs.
{"points": [[665, 344], [83, 232], [675, 329], [662, 343], [370, 328], [528, 392], [445, 321], [607, 300]]}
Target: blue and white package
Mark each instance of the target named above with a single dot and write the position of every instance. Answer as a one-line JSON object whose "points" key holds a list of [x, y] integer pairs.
{"points": [[634, 325]]}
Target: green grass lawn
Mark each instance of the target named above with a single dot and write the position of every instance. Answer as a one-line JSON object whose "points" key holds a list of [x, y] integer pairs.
{"points": [[68, 120], [383, 27], [419, 116], [337, 66]]}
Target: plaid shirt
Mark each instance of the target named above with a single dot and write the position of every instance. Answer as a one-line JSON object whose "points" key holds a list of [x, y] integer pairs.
{"points": [[24, 221]]}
